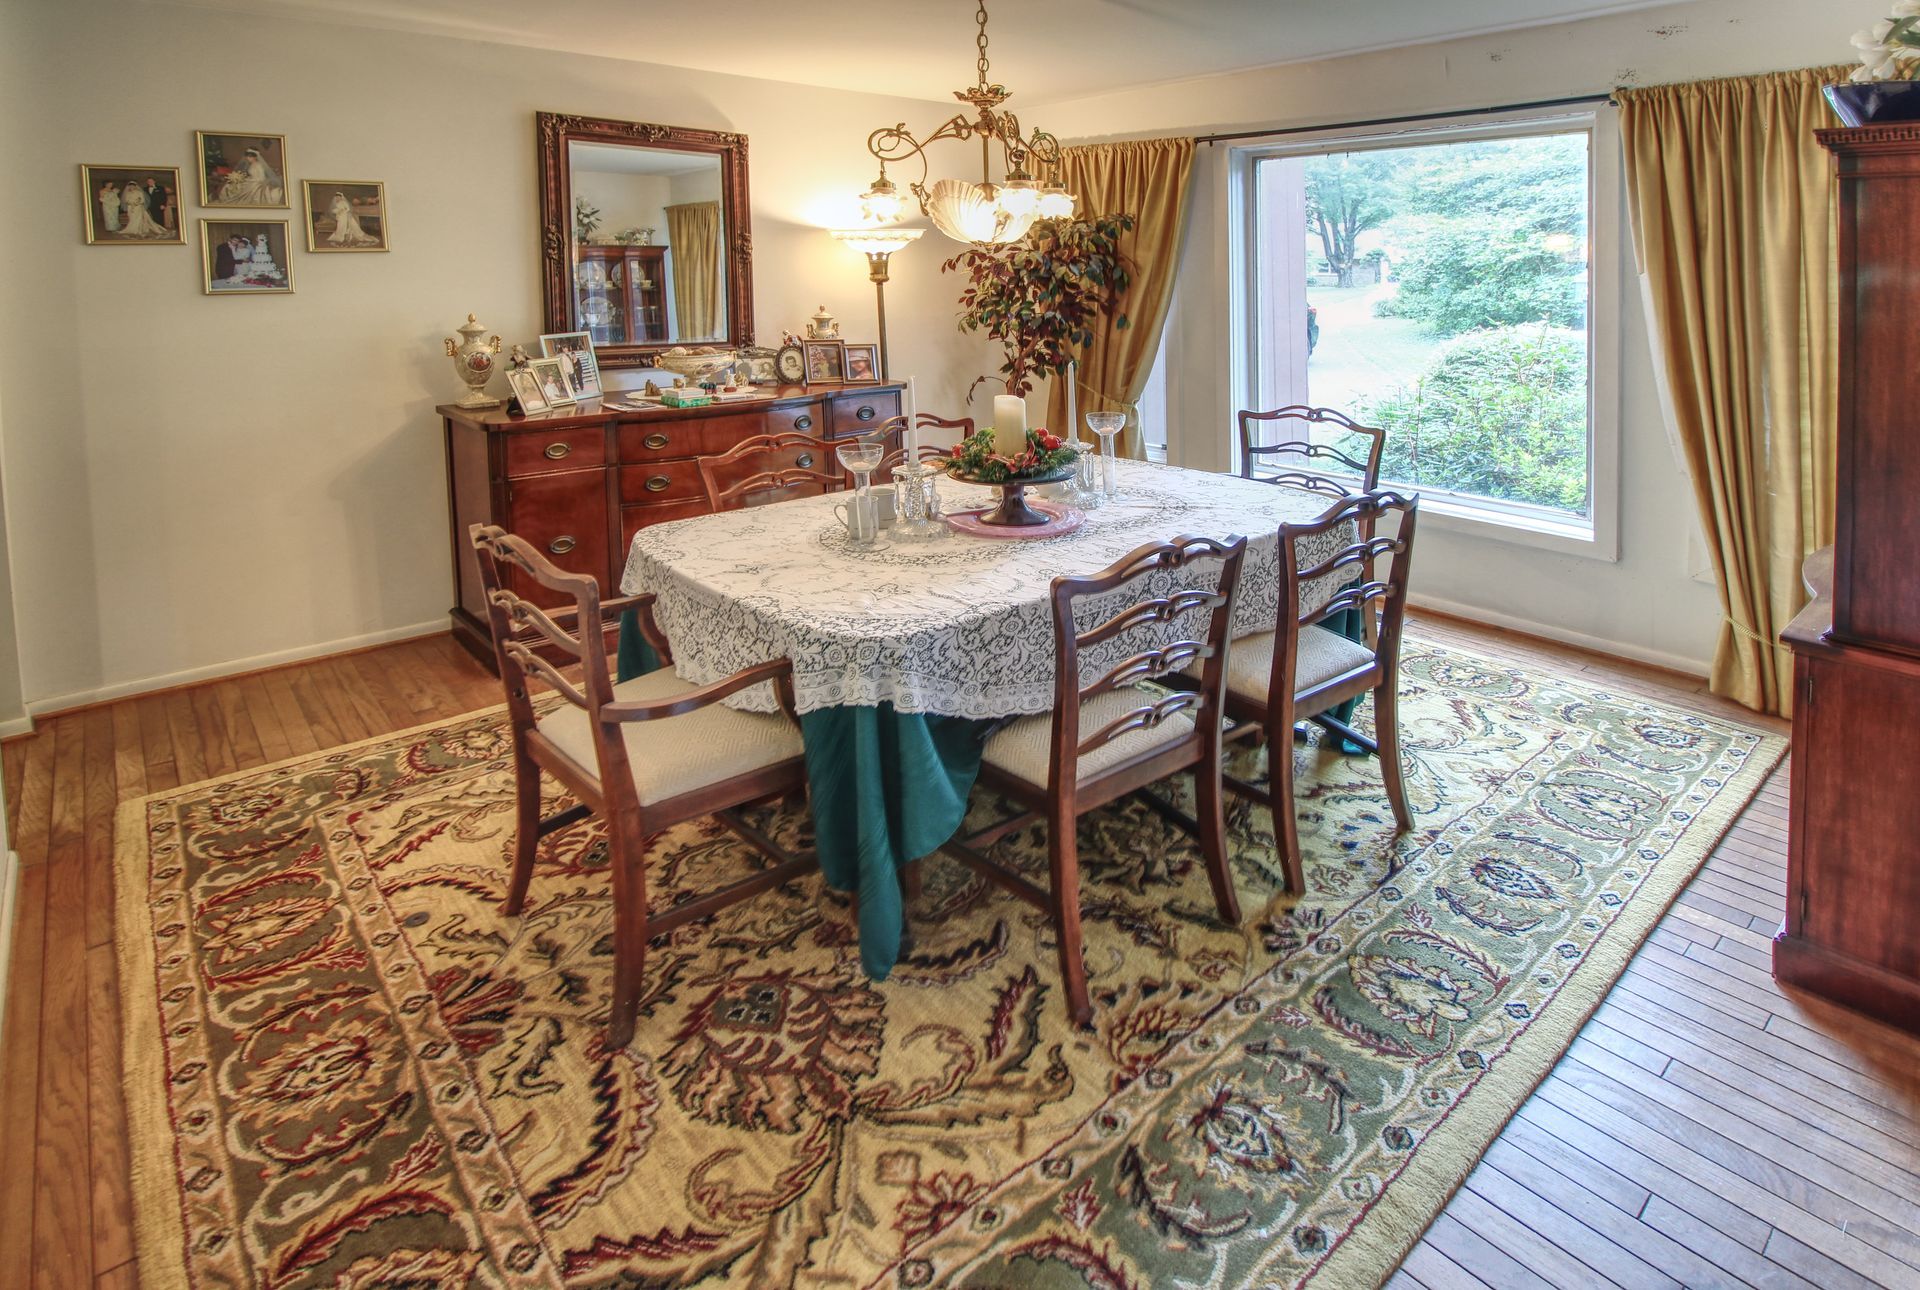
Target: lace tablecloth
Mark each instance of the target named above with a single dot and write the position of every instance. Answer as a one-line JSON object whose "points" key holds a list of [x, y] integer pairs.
{"points": [[961, 627]]}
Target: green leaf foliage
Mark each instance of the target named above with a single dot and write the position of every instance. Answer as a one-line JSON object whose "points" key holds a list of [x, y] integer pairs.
{"points": [[1040, 296], [1500, 413]]}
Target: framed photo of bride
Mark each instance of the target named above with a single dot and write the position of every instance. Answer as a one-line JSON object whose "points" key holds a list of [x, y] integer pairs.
{"points": [[132, 205], [345, 214], [245, 257], [242, 169]]}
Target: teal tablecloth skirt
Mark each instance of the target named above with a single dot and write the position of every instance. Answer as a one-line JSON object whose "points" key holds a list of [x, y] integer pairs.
{"points": [[886, 788]]}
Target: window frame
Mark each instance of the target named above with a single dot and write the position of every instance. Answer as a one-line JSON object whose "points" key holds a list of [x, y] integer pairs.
{"points": [[1594, 536]]}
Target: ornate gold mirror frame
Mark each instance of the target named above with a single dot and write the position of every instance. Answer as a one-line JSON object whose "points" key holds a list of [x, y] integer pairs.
{"points": [[556, 132]]}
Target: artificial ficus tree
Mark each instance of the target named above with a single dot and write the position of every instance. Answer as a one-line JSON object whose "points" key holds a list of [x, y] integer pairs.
{"points": [[1040, 296]]}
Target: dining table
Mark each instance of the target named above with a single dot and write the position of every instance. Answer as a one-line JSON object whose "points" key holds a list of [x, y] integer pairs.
{"points": [[907, 655]]}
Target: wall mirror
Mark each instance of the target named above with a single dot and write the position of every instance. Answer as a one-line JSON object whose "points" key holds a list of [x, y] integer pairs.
{"points": [[645, 238]]}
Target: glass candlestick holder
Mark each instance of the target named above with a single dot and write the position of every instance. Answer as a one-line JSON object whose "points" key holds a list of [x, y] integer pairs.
{"points": [[916, 493], [1083, 490], [1107, 425]]}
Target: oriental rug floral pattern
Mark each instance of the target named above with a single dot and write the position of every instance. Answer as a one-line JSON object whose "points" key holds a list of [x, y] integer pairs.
{"points": [[348, 1068]]}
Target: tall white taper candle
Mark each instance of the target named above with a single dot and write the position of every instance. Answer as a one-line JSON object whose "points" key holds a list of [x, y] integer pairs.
{"points": [[913, 425], [1072, 427]]}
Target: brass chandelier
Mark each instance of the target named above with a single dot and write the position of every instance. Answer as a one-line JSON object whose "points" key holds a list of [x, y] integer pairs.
{"points": [[959, 208]]}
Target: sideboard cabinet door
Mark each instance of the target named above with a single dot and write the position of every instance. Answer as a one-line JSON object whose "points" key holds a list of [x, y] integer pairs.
{"points": [[565, 517]]}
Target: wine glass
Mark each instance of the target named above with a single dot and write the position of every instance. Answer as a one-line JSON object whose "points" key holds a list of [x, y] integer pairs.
{"points": [[1107, 425], [862, 457]]}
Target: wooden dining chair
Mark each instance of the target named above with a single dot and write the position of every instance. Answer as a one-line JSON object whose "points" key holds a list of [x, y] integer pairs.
{"points": [[644, 755], [771, 468], [1111, 737], [1301, 668], [1318, 468], [893, 433]]}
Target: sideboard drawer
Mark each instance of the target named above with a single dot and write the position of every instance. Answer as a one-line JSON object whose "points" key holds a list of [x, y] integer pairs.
{"points": [[858, 414], [540, 454], [693, 437], [808, 418], [661, 482], [564, 516]]}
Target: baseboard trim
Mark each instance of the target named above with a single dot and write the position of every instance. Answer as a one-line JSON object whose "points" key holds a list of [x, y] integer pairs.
{"points": [[231, 668], [15, 728], [1548, 631], [9, 912]]}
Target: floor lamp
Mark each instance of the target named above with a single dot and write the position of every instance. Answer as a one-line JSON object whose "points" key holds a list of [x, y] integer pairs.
{"points": [[879, 244]]}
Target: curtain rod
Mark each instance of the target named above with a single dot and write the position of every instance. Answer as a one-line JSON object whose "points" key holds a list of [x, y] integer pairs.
{"points": [[1536, 105]]}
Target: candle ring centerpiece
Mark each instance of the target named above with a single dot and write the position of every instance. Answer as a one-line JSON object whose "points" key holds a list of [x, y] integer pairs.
{"points": [[1046, 459]]}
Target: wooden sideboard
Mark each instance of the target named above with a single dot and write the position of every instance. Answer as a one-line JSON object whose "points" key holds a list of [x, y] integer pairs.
{"points": [[579, 482], [1852, 930]]}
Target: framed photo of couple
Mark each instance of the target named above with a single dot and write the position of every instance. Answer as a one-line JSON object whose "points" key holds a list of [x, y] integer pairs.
{"points": [[132, 205], [574, 350], [245, 257], [541, 386]]}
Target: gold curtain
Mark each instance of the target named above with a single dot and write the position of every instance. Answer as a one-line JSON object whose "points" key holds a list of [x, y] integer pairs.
{"points": [[1146, 179], [1732, 204], [693, 236]]}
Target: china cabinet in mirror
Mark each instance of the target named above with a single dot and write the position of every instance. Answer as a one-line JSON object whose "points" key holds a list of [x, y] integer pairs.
{"points": [[645, 237]]}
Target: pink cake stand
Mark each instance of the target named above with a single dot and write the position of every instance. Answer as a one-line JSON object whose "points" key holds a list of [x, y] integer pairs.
{"points": [[1061, 519]]}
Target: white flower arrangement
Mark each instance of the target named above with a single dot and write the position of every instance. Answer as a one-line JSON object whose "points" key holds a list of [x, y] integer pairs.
{"points": [[1888, 41]]}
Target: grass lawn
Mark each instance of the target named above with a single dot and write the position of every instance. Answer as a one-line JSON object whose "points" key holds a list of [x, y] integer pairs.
{"points": [[1360, 355]]}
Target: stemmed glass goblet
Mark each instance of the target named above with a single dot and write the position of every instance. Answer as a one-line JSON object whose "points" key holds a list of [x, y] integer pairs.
{"points": [[1107, 425], [862, 457]]}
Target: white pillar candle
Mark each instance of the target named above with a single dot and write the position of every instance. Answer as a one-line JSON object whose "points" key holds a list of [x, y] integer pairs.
{"points": [[1072, 434], [1009, 425], [913, 426]]}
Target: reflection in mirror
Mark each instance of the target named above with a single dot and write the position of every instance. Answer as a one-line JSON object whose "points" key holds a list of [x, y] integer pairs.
{"points": [[648, 243]]}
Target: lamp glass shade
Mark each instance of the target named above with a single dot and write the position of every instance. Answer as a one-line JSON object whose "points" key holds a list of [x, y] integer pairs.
{"points": [[1019, 197], [878, 241], [1055, 202], [969, 212], [881, 204]]}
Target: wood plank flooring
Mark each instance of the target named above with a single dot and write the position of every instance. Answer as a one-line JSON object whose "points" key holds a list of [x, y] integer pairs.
{"points": [[1707, 1128]]}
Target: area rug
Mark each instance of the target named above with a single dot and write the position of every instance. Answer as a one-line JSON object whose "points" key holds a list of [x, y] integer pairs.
{"points": [[345, 1066]]}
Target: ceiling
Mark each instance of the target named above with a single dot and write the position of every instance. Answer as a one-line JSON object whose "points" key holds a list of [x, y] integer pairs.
{"points": [[925, 48]]}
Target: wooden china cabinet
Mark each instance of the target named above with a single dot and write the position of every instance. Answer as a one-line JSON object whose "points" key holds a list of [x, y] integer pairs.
{"points": [[621, 293], [1853, 860], [579, 482]]}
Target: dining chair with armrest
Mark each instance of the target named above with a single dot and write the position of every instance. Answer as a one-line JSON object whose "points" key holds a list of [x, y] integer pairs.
{"points": [[770, 468], [644, 755], [1301, 667], [1111, 738]]}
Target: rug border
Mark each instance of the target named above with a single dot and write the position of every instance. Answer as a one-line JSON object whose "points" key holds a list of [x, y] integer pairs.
{"points": [[159, 1232], [1378, 1245], [1385, 1236]]}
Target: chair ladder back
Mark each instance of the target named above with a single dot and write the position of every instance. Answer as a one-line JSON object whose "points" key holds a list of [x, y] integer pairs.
{"points": [[769, 463], [1382, 604], [1160, 659], [1367, 467], [512, 617], [893, 432]]}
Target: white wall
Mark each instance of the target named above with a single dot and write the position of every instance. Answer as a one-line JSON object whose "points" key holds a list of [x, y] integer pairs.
{"points": [[194, 484], [1646, 604]]}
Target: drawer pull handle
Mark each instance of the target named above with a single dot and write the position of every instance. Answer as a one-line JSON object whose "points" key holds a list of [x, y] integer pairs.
{"points": [[656, 440], [803, 423], [558, 450], [562, 544], [658, 483], [804, 460], [866, 413]]}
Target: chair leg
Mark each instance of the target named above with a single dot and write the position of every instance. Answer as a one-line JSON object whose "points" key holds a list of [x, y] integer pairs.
{"points": [[912, 881], [1386, 720], [526, 827], [628, 848], [1213, 836], [1064, 853], [1280, 801]]}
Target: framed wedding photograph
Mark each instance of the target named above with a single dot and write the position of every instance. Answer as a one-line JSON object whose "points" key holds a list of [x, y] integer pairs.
{"points": [[826, 361], [132, 205], [345, 214], [574, 349], [526, 388], [551, 377], [245, 257], [242, 169], [863, 362]]}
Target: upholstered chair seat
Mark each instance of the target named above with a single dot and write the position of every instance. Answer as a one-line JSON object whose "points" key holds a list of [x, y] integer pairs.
{"points": [[1024, 748]]}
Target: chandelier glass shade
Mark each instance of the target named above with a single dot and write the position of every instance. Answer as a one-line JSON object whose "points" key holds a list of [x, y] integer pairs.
{"points": [[961, 209]]}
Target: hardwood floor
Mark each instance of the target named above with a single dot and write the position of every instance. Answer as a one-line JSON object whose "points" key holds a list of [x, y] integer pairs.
{"points": [[1706, 1128]]}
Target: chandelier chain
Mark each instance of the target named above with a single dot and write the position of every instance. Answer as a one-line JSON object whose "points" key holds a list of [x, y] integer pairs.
{"points": [[981, 41]]}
